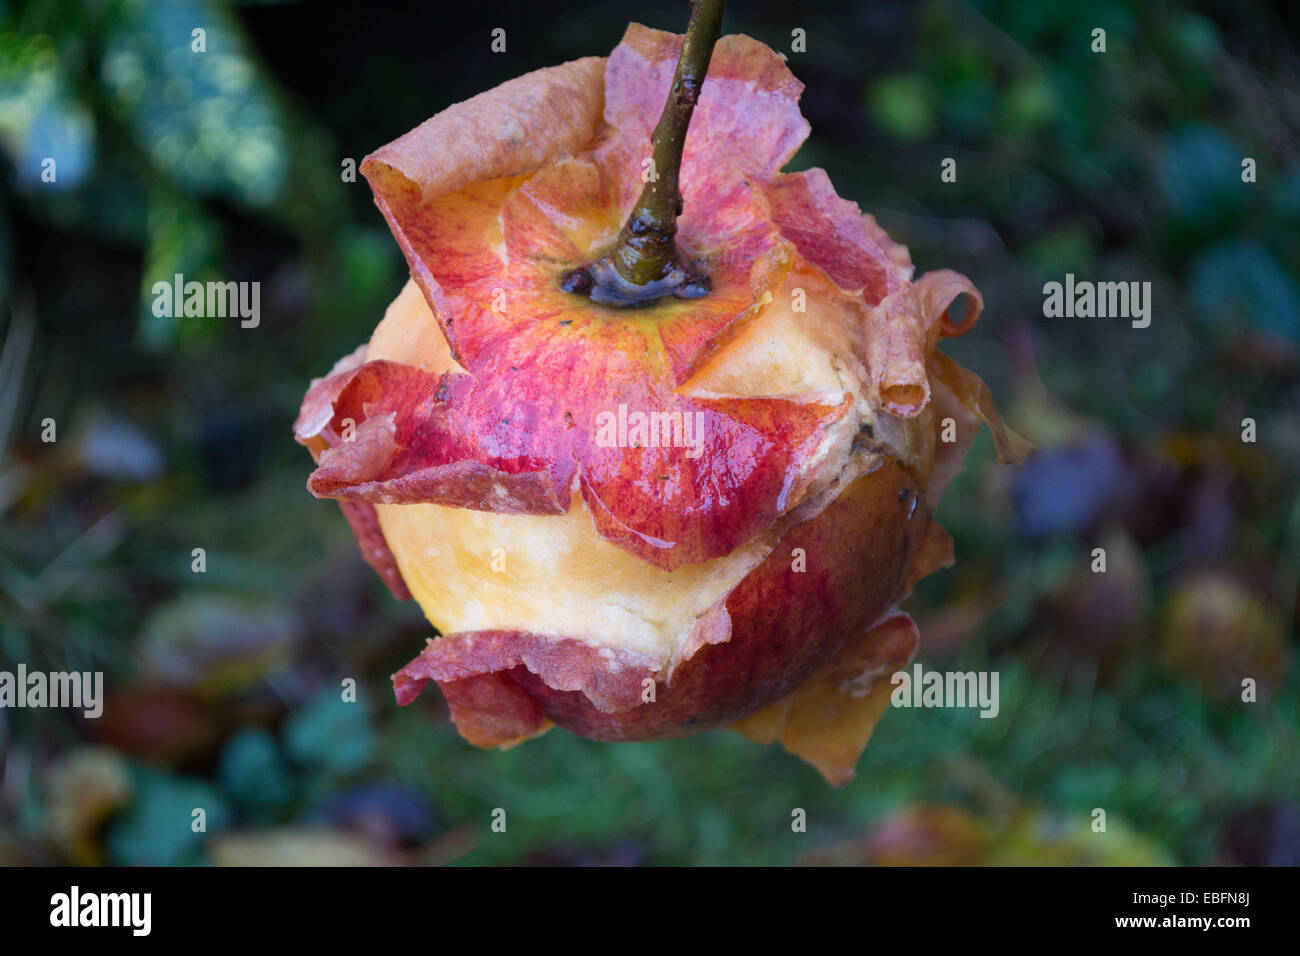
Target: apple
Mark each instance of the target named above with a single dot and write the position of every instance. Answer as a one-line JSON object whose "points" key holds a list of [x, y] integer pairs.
{"points": [[736, 555]]}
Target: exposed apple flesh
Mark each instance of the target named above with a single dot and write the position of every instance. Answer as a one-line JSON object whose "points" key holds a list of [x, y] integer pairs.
{"points": [[786, 619]]}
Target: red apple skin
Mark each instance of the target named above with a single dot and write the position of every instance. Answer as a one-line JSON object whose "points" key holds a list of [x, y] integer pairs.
{"points": [[450, 440], [785, 624]]}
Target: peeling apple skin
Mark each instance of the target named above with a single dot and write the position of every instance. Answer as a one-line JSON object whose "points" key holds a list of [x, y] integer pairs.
{"points": [[785, 624], [483, 391]]}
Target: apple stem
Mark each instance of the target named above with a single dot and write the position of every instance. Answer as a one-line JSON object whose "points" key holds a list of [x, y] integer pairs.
{"points": [[646, 250], [644, 264]]}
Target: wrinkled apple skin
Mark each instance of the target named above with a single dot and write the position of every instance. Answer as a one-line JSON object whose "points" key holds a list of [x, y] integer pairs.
{"points": [[785, 623]]}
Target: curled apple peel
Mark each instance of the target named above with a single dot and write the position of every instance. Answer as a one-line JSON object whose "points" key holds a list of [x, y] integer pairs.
{"points": [[648, 587]]}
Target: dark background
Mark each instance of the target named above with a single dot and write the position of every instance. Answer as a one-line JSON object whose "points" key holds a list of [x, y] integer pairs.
{"points": [[1119, 691]]}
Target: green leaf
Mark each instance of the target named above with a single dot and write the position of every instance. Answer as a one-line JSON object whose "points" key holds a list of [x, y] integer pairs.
{"points": [[331, 734], [206, 119], [1239, 281], [254, 773], [902, 104], [1201, 171], [158, 828]]}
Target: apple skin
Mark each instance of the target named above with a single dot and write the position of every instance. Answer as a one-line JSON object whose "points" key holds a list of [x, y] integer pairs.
{"points": [[420, 437], [784, 624]]}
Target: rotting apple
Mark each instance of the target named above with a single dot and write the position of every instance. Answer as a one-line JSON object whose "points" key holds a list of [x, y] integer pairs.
{"points": [[655, 591]]}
